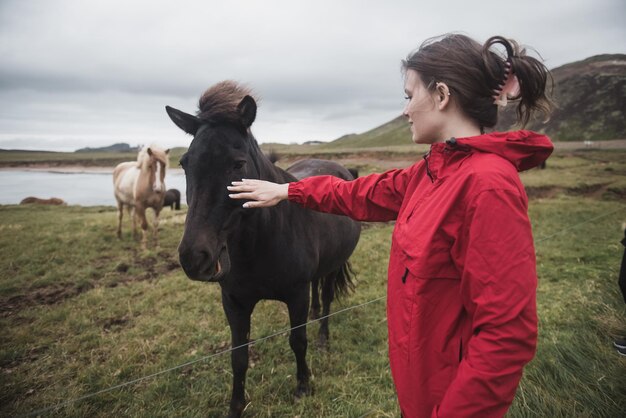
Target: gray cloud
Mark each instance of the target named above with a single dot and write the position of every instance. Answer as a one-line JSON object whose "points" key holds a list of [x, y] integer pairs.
{"points": [[89, 73]]}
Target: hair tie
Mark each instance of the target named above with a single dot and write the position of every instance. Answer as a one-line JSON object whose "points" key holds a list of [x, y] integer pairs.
{"points": [[508, 89]]}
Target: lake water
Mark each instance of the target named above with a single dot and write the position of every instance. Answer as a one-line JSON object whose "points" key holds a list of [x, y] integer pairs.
{"points": [[83, 188]]}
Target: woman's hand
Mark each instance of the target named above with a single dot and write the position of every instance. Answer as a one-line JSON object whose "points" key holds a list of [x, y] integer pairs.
{"points": [[261, 193]]}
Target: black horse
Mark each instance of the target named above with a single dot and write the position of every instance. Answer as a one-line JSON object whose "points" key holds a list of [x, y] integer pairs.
{"points": [[254, 254], [172, 199], [301, 169]]}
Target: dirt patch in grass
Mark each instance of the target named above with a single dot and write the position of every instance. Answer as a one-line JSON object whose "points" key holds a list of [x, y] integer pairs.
{"points": [[42, 296], [542, 192], [587, 190], [617, 193], [115, 324], [123, 273], [598, 191], [29, 356]]}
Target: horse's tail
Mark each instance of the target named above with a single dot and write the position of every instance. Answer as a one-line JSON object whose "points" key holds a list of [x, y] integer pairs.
{"points": [[343, 280]]}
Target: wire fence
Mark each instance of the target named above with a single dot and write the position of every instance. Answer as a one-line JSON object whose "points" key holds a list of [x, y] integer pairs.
{"points": [[189, 363], [259, 340]]}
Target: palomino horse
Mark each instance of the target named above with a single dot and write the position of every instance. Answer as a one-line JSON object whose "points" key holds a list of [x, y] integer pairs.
{"points": [[254, 254], [138, 186]]}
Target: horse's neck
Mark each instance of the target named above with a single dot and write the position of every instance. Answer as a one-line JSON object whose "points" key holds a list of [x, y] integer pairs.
{"points": [[267, 219], [266, 169], [261, 229]]}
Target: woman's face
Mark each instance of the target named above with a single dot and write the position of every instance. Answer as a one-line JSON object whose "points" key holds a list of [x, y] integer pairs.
{"points": [[421, 110]]}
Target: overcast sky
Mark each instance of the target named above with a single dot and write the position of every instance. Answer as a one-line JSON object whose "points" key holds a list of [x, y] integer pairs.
{"points": [[76, 73]]}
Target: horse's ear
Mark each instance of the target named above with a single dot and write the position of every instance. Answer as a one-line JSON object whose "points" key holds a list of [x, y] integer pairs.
{"points": [[184, 121], [247, 110], [167, 151], [149, 152]]}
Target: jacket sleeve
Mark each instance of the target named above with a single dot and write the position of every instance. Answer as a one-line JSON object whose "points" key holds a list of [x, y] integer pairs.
{"points": [[498, 289], [377, 197]]}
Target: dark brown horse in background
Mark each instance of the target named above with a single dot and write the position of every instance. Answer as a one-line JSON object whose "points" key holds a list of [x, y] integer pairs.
{"points": [[254, 254], [172, 199]]}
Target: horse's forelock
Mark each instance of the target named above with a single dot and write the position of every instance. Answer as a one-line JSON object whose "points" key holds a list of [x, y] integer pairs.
{"points": [[220, 101], [158, 153]]}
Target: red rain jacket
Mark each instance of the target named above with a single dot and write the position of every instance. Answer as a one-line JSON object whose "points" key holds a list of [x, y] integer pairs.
{"points": [[461, 287]]}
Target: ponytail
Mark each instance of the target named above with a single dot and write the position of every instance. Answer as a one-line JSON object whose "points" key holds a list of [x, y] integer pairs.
{"points": [[532, 75]]}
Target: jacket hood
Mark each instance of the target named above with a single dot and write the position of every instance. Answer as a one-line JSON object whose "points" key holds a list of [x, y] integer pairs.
{"points": [[524, 149]]}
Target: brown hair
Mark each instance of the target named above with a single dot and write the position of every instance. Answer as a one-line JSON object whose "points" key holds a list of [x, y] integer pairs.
{"points": [[472, 72]]}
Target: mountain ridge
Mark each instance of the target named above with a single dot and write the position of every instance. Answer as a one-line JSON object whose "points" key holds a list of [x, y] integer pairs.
{"points": [[589, 94]]}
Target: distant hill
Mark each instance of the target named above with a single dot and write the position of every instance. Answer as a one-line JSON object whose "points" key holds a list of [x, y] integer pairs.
{"points": [[120, 147], [395, 132], [591, 101], [590, 94]]}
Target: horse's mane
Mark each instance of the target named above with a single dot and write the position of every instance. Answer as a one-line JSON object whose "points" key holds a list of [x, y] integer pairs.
{"points": [[219, 102]]}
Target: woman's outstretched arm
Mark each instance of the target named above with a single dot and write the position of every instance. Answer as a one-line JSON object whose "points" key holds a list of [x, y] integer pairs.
{"points": [[377, 197]]}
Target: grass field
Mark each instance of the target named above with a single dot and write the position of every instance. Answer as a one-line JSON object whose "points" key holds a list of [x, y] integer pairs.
{"points": [[81, 312]]}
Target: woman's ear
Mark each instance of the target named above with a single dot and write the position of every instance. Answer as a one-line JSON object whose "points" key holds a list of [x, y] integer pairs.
{"points": [[443, 95]]}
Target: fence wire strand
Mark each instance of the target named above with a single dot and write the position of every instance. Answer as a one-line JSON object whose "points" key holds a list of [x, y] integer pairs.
{"points": [[259, 340]]}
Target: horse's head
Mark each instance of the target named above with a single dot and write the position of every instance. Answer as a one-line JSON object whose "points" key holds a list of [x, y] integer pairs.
{"points": [[154, 160], [222, 151]]}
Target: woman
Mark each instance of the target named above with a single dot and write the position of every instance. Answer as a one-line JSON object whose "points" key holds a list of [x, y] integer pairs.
{"points": [[462, 282]]}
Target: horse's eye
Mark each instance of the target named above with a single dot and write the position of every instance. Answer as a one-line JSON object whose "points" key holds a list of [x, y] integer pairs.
{"points": [[239, 164]]}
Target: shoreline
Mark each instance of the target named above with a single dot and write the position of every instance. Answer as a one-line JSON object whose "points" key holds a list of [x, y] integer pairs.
{"points": [[66, 167], [70, 169]]}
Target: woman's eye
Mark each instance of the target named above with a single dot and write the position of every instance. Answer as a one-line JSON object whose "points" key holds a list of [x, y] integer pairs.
{"points": [[407, 97]]}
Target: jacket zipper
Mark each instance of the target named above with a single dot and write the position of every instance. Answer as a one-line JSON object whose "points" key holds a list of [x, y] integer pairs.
{"points": [[432, 180], [406, 273]]}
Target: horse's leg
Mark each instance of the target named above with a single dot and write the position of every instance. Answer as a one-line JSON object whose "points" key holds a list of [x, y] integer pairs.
{"points": [[328, 295], [298, 309], [315, 298], [120, 215], [238, 316], [132, 212], [155, 231], [141, 214]]}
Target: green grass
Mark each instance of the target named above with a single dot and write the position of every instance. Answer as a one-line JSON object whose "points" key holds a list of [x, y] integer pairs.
{"points": [[81, 311]]}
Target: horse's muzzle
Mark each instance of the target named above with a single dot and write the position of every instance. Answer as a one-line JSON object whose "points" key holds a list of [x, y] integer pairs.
{"points": [[199, 265]]}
